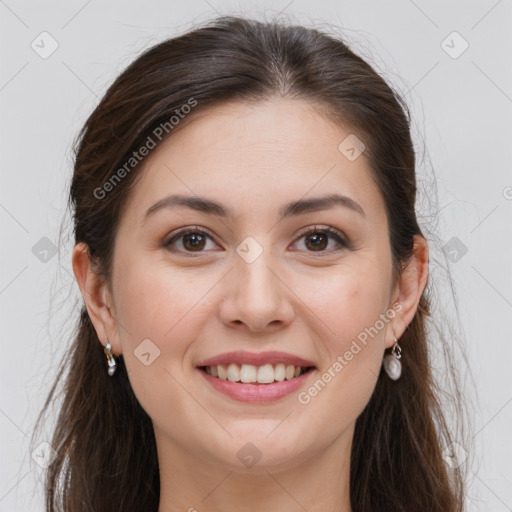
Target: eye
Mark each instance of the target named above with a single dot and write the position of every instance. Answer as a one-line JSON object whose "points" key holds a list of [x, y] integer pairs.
{"points": [[191, 240], [317, 239], [194, 240]]}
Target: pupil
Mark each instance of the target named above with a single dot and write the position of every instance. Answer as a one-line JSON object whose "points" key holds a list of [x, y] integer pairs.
{"points": [[194, 240], [316, 243]]}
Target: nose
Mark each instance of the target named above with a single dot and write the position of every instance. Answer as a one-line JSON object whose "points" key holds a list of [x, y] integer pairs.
{"points": [[257, 296]]}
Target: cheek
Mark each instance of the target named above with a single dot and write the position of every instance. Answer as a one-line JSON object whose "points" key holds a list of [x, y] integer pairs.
{"points": [[162, 312], [349, 303], [353, 315], [351, 309], [346, 311], [157, 303], [158, 320]]}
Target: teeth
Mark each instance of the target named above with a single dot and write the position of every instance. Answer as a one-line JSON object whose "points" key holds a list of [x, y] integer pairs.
{"points": [[280, 372], [233, 372], [249, 373], [223, 374], [265, 374]]}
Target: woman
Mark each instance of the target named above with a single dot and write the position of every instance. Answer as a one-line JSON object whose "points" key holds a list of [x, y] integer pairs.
{"points": [[253, 334]]}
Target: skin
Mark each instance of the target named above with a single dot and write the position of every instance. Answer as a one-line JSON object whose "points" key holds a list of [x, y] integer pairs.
{"points": [[292, 298]]}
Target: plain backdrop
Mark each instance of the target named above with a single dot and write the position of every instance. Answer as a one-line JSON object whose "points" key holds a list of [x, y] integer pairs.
{"points": [[450, 60]]}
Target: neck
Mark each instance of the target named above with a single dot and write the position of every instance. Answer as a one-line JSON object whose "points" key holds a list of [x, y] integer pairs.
{"points": [[317, 482]]}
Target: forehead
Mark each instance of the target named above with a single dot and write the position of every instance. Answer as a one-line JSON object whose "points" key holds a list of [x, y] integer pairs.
{"points": [[253, 156]]}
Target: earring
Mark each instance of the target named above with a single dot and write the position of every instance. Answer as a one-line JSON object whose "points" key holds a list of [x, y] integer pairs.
{"points": [[111, 362], [392, 364]]}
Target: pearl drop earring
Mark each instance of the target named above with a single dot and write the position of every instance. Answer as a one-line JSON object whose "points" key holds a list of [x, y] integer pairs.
{"points": [[391, 362], [111, 362]]}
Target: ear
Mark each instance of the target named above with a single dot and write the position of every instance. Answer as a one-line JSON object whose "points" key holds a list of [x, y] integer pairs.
{"points": [[97, 297], [409, 288]]}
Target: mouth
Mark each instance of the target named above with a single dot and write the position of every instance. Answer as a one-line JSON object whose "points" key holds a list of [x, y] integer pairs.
{"points": [[256, 375]]}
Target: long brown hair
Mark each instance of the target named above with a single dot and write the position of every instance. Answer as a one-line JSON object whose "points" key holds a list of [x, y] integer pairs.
{"points": [[106, 453]]}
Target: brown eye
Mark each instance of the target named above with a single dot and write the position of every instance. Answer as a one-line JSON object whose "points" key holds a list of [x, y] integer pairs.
{"points": [[189, 241], [317, 240], [193, 241]]}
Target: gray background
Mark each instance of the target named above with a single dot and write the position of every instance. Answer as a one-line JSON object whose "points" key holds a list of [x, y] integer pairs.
{"points": [[461, 102]]}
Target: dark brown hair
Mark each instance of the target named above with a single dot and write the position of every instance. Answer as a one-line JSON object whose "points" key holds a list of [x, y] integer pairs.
{"points": [[106, 453]]}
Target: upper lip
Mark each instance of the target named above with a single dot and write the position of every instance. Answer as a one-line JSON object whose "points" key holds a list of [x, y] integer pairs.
{"points": [[256, 359]]}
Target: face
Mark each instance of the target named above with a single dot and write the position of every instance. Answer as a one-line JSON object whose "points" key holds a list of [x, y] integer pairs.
{"points": [[192, 284]]}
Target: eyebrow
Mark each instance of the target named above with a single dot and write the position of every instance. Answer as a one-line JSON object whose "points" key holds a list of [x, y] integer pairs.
{"points": [[293, 208]]}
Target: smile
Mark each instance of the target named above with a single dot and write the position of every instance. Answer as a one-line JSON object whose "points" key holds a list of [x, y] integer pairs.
{"points": [[228, 381], [252, 374]]}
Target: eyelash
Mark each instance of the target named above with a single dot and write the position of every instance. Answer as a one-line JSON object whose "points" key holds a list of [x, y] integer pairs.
{"points": [[334, 233]]}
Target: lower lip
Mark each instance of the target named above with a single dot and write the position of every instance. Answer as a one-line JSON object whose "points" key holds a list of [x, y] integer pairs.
{"points": [[257, 392]]}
